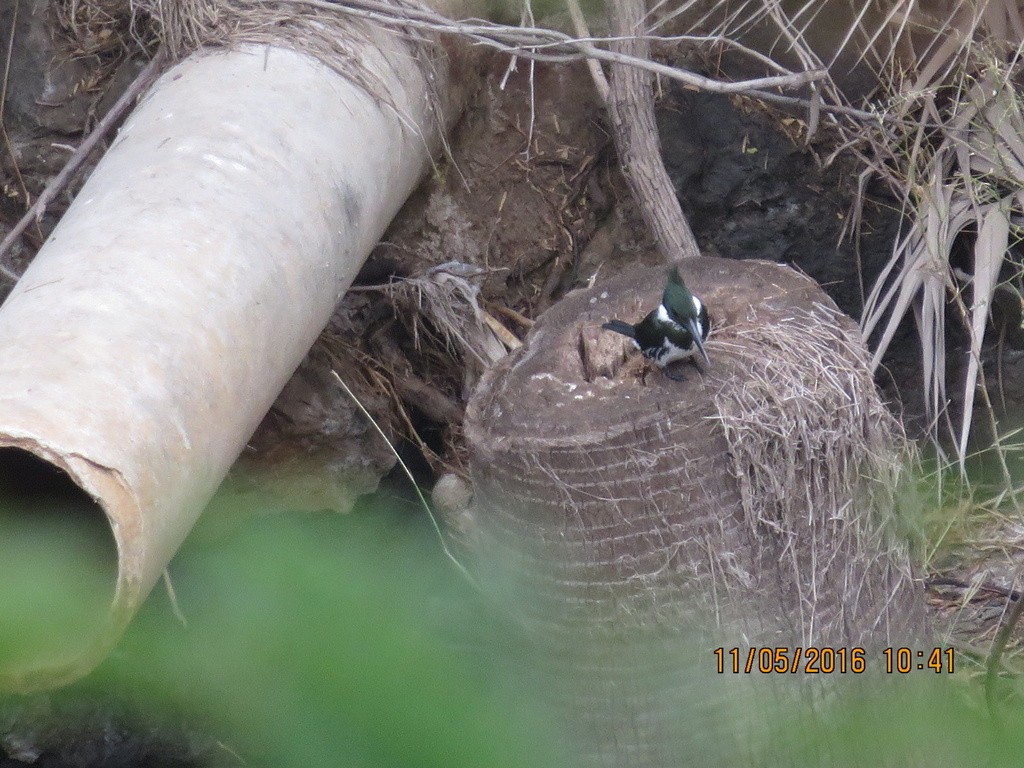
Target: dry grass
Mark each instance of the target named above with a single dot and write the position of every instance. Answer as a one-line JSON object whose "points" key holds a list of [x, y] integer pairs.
{"points": [[959, 173], [947, 139], [453, 338], [326, 29], [807, 431], [338, 39], [445, 302], [808, 395], [944, 131]]}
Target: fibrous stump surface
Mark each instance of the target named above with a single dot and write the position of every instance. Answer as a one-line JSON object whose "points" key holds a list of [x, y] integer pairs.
{"points": [[756, 494], [638, 518]]}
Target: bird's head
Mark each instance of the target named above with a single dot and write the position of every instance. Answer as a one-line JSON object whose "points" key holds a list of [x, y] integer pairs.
{"points": [[686, 309], [677, 298]]}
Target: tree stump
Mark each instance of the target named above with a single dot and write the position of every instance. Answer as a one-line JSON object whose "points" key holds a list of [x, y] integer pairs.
{"points": [[758, 502]]}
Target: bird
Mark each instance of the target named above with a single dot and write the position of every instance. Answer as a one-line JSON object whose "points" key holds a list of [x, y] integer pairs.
{"points": [[675, 330]]}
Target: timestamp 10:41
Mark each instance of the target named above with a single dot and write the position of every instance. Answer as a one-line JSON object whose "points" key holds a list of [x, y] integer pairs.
{"points": [[904, 660]]}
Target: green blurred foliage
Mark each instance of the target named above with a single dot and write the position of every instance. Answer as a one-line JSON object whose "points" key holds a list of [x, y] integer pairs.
{"points": [[316, 641], [321, 640], [325, 640]]}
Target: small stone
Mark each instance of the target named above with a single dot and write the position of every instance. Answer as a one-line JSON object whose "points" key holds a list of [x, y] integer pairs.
{"points": [[451, 495]]}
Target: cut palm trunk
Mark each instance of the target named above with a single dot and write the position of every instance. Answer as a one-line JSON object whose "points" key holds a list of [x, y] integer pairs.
{"points": [[643, 521], [184, 285]]}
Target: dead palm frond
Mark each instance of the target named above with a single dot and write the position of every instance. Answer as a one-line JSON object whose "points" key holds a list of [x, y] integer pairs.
{"points": [[448, 297], [965, 175], [947, 139]]}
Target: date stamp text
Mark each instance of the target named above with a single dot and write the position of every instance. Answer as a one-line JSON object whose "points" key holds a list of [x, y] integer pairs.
{"points": [[825, 660]]}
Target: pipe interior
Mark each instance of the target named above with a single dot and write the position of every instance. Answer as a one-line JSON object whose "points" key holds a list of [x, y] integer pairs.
{"points": [[58, 565]]}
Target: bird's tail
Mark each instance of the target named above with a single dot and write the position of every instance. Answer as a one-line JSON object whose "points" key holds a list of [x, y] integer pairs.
{"points": [[620, 327]]}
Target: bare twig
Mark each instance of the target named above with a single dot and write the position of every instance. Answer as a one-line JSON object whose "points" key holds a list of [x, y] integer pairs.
{"points": [[172, 595], [7, 58], [579, 24], [988, 586], [544, 44], [506, 336], [75, 162], [3, 103], [510, 313]]}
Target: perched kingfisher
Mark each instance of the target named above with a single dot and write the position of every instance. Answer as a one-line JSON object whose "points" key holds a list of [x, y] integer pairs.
{"points": [[674, 331]]}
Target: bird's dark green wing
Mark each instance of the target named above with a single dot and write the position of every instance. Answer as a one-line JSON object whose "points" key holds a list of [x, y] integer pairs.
{"points": [[677, 297]]}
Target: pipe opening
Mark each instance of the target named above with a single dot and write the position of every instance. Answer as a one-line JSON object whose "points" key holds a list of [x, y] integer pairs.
{"points": [[58, 566]]}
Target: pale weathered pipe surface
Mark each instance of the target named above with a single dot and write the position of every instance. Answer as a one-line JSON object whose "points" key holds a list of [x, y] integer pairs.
{"points": [[188, 280]]}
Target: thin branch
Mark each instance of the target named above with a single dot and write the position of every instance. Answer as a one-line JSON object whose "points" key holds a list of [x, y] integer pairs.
{"points": [[579, 24], [3, 104], [142, 81], [543, 44], [530, 41], [7, 59], [172, 595], [824, 106]]}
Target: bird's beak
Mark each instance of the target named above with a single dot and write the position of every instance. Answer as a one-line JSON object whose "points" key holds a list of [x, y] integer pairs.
{"points": [[691, 323]]}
